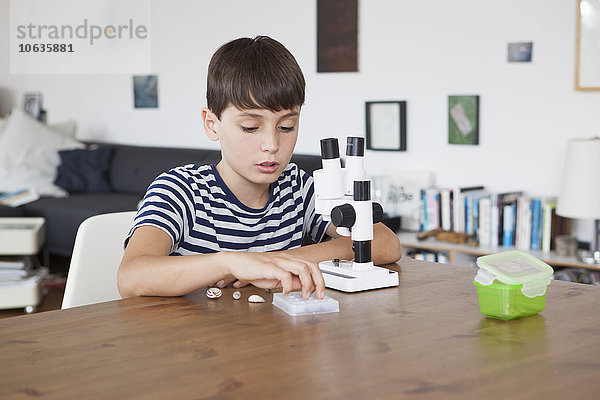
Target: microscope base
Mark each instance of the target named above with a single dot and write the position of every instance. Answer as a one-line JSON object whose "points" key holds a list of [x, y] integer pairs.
{"points": [[344, 278]]}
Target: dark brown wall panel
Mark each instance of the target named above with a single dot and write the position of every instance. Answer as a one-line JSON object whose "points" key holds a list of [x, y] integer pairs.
{"points": [[337, 35]]}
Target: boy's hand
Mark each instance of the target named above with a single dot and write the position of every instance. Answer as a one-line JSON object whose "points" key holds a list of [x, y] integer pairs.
{"points": [[273, 270]]}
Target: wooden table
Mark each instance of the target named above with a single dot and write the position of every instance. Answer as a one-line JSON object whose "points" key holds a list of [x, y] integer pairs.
{"points": [[423, 339]]}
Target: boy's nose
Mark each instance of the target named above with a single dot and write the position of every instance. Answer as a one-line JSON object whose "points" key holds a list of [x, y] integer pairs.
{"points": [[271, 142]]}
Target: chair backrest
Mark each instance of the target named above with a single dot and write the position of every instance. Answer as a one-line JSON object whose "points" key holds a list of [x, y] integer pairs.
{"points": [[96, 257]]}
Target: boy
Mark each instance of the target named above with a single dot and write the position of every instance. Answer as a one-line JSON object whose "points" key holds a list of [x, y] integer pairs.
{"points": [[242, 220]]}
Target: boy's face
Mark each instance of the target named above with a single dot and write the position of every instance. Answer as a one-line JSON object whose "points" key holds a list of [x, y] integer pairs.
{"points": [[256, 144]]}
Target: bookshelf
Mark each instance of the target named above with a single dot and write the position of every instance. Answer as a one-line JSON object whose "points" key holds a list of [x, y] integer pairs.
{"points": [[454, 251]]}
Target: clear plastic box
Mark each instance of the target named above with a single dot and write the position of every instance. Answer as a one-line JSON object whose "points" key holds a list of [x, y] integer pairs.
{"points": [[512, 284], [295, 305]]}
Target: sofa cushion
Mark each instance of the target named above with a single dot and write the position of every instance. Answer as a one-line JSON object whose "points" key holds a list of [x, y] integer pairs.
{"points": [[63, 215], [84, 170], [6, 211], [29, 154], [133, 168]]}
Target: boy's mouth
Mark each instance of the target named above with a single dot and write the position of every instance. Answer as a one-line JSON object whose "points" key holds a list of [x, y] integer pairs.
{"points": [[268, 166]]}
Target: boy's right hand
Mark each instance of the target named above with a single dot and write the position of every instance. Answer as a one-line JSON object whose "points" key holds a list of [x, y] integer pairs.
{"points": [[273, 270]]}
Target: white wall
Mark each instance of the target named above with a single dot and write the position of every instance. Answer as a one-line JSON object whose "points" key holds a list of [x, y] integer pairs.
{"points": [[413, 50]]}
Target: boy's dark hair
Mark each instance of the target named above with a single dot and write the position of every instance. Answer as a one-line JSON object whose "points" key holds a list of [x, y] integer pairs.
{"points": [[254, 73]]}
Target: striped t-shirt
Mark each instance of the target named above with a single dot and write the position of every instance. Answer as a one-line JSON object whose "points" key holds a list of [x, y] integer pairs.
{"points": [[194, 206]]}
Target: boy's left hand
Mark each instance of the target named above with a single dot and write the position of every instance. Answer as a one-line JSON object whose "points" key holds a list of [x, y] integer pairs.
{"points": [[227, 282], [257, 269]]}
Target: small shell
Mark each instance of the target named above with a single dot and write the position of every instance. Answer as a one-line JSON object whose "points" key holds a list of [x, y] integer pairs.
{"points": [[237, 295], [256, 299], [213, 293]]}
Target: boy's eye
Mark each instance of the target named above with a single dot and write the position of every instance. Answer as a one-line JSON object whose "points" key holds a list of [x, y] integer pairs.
{"points": [[249, 129]]}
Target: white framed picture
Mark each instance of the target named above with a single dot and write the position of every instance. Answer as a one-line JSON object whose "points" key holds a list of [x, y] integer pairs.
{"points": [[386, 125]]}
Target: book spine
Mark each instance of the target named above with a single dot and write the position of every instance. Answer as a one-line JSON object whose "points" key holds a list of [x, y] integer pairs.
{"points": [[423, 212], [475, 201], [485, 221], [519, 223], [494, 221], [432, 208], [445, 198], [442, 258], [468, 215], [458, 211], [527, 225], [535, 224], [547, 229], [524, 222], [429, 256], [508, 224]]}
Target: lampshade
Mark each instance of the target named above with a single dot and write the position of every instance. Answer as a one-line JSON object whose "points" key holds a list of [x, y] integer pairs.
{"points": [[580, 188]]}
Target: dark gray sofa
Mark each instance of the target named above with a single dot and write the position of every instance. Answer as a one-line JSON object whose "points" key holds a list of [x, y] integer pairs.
{"points": [[132, 169]]}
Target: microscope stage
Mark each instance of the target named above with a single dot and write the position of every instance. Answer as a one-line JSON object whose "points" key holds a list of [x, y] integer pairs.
{"points": [[341, 276]]}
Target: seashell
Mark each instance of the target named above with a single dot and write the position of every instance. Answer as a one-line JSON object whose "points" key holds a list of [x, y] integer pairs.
{"points": [[213, 293], [237, 295], [256, 299]]}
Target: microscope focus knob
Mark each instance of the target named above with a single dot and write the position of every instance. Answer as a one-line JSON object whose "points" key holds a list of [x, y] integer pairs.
{"points": [[377, 213], [343, 216]]}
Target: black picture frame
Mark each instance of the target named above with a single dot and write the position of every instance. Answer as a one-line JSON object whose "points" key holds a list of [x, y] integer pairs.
{"points": [[386, 125], [32, 104]]}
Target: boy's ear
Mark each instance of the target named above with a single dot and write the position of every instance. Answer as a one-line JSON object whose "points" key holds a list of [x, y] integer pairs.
{"points": [[210, 122]]}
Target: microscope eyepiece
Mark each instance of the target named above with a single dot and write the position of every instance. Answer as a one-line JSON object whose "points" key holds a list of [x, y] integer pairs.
{"points": [[355, 146], [330, 148]]}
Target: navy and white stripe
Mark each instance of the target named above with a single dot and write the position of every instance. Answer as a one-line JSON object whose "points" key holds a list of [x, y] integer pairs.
{"points": [[194, 206]]}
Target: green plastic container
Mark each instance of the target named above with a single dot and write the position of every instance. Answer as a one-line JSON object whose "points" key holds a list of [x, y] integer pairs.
{"points": [[506, 302], [512, 284]]}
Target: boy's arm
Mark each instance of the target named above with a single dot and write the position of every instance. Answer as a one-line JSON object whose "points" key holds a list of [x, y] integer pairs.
{"points": [[385, 248], [147, 269]]}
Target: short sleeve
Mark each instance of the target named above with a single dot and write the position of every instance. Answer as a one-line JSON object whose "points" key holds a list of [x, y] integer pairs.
{"points": [[314, 225], [168, 205]]}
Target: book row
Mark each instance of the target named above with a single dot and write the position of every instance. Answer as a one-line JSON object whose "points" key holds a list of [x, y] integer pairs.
{"points": [[511, 219]]}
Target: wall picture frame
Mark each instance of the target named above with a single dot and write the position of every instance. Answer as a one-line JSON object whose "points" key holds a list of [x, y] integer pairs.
{"points": [[386, 125], [587, 46], [32, 104], [145, 91], [463, 120], [519, 52]]}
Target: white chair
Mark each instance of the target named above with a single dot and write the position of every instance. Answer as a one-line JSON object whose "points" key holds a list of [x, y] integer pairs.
{"points": [[96, 257]]}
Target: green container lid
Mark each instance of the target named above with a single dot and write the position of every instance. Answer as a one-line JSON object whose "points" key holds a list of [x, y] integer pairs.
{"points": [[515, 268]]}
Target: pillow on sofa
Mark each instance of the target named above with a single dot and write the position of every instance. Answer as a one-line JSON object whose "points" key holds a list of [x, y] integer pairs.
{"points": [[67, 128], [84, 170], [29, 154]]}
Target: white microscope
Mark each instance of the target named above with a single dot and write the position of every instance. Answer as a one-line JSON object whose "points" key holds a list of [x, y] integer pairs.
{"points": [[343, 196]]}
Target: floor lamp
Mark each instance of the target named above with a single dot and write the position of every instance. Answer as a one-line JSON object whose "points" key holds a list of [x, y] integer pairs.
{"points": [[580, 187]]}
